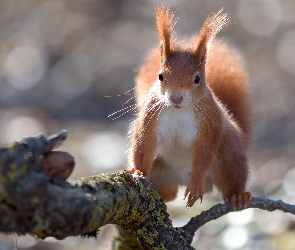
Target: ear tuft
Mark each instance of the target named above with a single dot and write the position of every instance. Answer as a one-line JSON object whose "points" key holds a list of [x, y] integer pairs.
{"points": [[211, 27], [165, 22]]}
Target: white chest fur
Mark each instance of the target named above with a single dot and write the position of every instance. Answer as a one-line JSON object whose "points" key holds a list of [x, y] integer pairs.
{"points": [[177, 130], [177, 127]]}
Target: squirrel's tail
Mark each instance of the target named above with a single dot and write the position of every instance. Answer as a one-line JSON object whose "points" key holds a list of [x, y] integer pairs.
{"points": [[227, 79]]}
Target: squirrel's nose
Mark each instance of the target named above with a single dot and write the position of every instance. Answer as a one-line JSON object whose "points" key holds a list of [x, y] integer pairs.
{"points": [[176, 98]]}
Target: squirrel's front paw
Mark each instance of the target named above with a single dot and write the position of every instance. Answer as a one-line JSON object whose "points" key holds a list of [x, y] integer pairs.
{"points": [[194, 192], [239, 201], [135, 172]]}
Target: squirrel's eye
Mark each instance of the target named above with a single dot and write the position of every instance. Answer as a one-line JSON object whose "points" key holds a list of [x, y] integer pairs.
{"points": [[161, 77], [197, 79]]}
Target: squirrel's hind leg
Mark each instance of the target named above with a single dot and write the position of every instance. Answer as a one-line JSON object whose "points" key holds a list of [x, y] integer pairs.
{"points": [[163, 180]]}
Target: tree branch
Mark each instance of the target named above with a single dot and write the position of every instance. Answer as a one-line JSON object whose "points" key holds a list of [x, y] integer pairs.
{"points": [[35, 199], [219, 210]]}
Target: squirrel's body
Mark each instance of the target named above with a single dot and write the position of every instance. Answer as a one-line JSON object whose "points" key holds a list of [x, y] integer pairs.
{"points": [[176, 134], [191, 131]]}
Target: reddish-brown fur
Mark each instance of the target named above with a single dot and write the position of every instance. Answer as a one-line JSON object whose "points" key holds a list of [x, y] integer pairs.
{"points": [[221, 112]]}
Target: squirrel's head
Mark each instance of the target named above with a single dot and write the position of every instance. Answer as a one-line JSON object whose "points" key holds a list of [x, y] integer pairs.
{"points": [[182, 66]]}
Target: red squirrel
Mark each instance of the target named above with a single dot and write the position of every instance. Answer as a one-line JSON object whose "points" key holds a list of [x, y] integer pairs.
{"points": [[193, 124]]}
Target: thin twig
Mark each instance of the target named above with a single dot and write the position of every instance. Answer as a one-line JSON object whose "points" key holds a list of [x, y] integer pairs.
{"points": [[219, 210]]}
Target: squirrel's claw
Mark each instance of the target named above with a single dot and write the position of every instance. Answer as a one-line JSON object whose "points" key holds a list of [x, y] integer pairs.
{"points": [[194, 192]]}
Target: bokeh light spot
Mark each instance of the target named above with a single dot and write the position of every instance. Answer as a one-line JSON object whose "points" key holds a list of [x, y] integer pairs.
{"points": [[241, 218], [235, 237], [104, 150], [18, 127], [261, 17], [25, 65]]}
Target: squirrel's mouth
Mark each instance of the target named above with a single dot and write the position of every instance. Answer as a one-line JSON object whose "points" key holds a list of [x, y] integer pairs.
{"points": [[177, 106]]}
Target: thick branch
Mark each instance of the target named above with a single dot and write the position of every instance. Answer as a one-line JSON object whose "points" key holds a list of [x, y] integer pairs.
{"points": [[33, 202]]}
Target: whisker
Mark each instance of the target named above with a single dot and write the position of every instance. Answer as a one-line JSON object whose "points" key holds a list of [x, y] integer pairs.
{"points": [[162, 107], [124, 94], [153, 106], [128, 100], [127, 111], [157, 108], [130, 106], [108, 96], [129, 90]]}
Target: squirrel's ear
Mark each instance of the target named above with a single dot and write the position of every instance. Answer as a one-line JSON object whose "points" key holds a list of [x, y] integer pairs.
{"points": [[165, 22], [209, 30]]}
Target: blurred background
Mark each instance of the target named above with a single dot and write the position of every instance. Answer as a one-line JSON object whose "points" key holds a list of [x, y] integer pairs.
{"points": [[58, 59]]}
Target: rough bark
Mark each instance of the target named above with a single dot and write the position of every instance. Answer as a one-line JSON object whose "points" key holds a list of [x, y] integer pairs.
{"points": [[36, 200], [33, 202]]}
